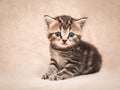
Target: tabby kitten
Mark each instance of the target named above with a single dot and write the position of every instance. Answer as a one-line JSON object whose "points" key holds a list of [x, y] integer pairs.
{"points": [[70, 56]]}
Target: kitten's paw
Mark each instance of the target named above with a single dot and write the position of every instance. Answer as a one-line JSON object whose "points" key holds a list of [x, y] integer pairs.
{"points": [[45, 76], [53, 77], [56, 77]]}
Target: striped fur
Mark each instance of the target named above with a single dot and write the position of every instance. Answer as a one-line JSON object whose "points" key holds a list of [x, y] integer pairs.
{"points": [[73, 57]]}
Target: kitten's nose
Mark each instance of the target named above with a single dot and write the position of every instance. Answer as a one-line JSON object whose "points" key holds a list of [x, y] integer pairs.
{"points": [[64, 41]]}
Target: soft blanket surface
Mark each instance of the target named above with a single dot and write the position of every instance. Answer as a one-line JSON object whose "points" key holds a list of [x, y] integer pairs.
{"points": [[24, 48]]}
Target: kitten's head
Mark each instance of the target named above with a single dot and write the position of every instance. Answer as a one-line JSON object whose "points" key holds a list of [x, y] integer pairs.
{"points": [[64, 31]]}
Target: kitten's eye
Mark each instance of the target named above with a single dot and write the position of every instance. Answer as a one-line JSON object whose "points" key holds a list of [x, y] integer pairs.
{"points": [[71, 34], [58, 34]]}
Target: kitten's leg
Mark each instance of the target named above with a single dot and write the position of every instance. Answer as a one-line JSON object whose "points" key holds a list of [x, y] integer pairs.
{"points": [[69, 71], [53, 69]]}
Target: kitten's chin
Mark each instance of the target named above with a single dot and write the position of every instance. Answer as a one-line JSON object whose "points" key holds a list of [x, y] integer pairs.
{"points": [[64, 45], [61, 46]]}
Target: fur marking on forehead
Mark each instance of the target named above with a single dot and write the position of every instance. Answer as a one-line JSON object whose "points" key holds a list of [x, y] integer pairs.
{"points": [[65, 21]]}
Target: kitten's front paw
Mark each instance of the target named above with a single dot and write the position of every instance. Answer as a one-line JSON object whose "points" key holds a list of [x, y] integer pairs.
{"points": [[45, 76], [56, 77]]}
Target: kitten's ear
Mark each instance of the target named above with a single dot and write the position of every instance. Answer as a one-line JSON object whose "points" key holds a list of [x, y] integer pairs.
{"points": [[81, 22], [48, 21]]}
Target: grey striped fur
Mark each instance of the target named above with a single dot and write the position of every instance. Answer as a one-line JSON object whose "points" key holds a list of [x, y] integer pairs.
{"points": [[76, 57]]}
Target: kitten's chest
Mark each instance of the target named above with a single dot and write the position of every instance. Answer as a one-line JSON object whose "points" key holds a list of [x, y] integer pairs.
{"points": [[59, 58]]}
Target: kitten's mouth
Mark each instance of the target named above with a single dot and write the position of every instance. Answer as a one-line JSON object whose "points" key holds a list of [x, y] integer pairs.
{"points": [[64, 44]]}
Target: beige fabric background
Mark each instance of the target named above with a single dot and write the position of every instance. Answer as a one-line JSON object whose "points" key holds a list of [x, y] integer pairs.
{"points": [[24, 52]]}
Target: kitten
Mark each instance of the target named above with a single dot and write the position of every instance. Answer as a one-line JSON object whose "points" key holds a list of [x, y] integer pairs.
{"points": [[70, 56]]}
